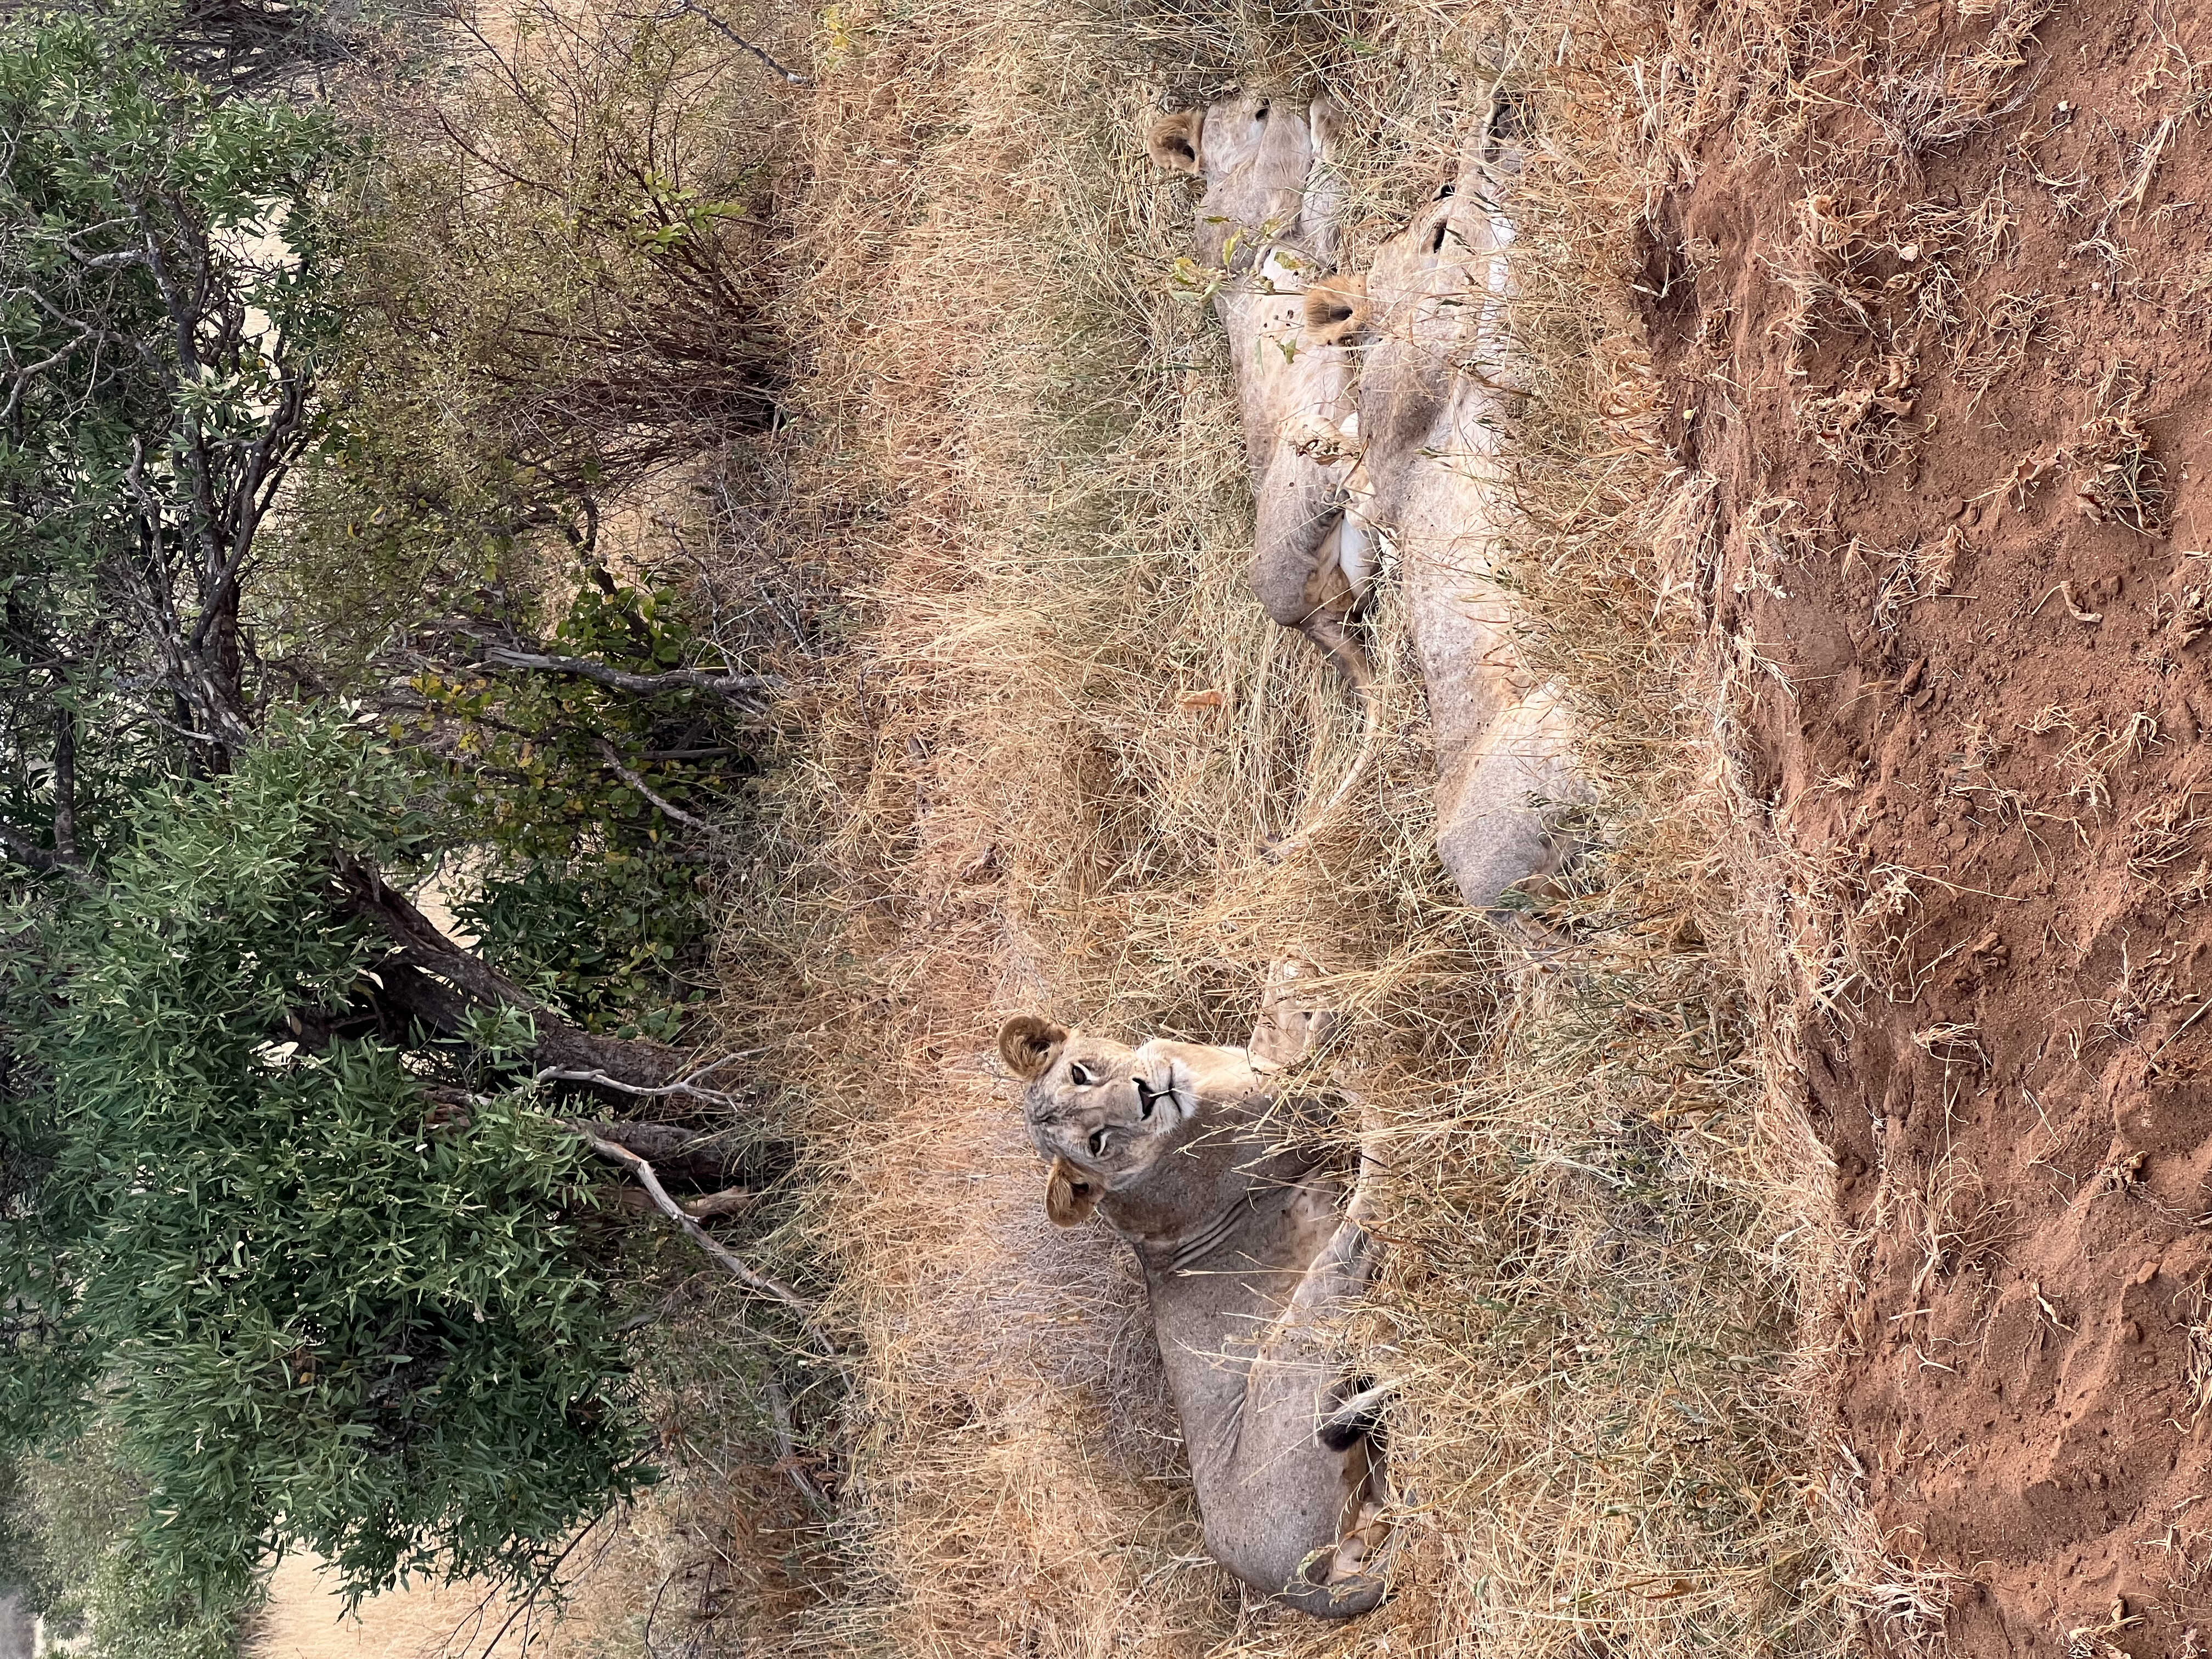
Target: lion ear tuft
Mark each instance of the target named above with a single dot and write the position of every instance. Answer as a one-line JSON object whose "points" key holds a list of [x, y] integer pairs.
{"points": [[1173, 141], [1029, 1045], [1069, 1198]]}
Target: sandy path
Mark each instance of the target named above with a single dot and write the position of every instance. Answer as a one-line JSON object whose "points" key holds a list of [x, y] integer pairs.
{"points": [[305, 1620], [1949, 399]]}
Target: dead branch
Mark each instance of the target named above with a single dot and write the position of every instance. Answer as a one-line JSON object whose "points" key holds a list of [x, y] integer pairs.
{"points": [[791, 77], [742, 691], [699, 1160], [786, 1446], [668, 809], [730, 1201], [735, 1264], [683, 1086]]}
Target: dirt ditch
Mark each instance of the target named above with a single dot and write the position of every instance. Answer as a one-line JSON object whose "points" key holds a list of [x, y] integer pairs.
{"points": [[1936, 368]]}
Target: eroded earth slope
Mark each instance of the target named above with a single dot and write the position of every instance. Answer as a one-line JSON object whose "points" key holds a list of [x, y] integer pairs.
{"points": [[1935, 366]]}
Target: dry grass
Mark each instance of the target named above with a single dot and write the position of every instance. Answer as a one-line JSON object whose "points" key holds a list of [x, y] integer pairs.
{"points": [[1019, 447], [1044, 736]]}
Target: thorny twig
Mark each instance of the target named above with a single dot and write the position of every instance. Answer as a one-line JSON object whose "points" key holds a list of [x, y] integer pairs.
{"points": [[791, 76]]}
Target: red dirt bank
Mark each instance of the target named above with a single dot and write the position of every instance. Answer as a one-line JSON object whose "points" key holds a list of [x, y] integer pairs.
{"points": [[1951, 403]]}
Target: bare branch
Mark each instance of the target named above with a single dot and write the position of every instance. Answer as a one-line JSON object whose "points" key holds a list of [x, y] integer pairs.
{"points": [[743, 691], [730, 1201], [735, 1264], [25, 375], [688, 1086], [668, 808], [786, 1446], [791, 76]]}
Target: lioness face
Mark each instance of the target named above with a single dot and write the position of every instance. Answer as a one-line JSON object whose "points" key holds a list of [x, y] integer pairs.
{"points": [[1257, 155], [1103, 1112]]}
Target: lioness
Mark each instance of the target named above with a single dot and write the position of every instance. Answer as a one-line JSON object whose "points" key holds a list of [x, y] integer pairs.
{"points": [[1267, 224], [1389, 439], [1250, 1260], [1440, 378]]}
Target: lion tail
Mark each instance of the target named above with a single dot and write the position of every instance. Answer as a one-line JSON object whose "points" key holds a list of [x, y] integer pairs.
{"points": [[1370, 737]]}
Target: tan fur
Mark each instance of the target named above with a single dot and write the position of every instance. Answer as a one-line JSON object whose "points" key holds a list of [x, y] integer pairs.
{"points": [[1173, 142], [1029, 1045], [1069, 1198], [1419, 348], [1335, 310], [1252, 1258], [1269, 219]]}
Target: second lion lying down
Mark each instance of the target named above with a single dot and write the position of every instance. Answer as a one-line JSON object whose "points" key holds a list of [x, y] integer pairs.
{"points": [[1251, 1262]]}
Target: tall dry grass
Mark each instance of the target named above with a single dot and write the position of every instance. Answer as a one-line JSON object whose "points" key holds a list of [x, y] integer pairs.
{"points": [[1015, 451]]}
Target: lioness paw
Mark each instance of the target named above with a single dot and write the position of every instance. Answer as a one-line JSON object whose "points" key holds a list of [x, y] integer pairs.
{"points": [[1319, 439]]}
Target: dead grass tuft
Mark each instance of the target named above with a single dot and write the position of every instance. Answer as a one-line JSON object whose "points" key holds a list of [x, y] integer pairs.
{"points": [[2117, 479]]}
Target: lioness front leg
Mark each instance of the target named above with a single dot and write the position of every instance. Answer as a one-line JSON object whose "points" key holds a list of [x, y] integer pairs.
{"points": [[1309, 1443], [1297, 569]]}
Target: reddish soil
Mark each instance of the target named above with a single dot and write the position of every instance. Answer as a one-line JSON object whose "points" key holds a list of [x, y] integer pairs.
{"points": [[1927, 461]]}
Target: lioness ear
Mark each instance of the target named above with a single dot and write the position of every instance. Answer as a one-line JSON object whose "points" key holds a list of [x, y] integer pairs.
{"points": [[1325, 120], [1029, 1045], [1069, 1198], [1174, 140], [1336, 309]]}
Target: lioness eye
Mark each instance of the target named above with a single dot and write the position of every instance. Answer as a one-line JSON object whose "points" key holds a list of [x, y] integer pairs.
{"points": [[1080, 1077], [1144, 1102], [1097, 1142]]}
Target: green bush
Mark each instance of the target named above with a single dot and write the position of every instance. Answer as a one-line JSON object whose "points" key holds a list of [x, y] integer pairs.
{"points": [[314, 1303], [307, 1263], [81, 1507], [584, 890]]}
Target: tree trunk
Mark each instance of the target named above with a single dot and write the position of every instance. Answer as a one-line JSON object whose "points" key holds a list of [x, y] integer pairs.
{"points": [[435, 981]]}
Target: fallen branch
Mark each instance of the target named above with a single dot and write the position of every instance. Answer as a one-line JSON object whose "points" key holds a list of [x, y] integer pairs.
{"points": [[680, 1155], [730, 1201], [745, 691], [735, 1264], [683, 1085], [786, 1446]]}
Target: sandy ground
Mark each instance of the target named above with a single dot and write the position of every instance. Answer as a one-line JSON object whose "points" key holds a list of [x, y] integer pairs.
{"points": [[1942, 372], [305, 1618], [305, 1621]]}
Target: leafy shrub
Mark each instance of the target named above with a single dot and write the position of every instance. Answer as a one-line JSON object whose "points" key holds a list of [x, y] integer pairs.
{"points": [[81, 1507], [318, 1296], [584, 890]]}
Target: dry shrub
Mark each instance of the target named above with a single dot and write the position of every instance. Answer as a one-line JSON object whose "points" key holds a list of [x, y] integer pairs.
{"points": [[562, 260]]}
